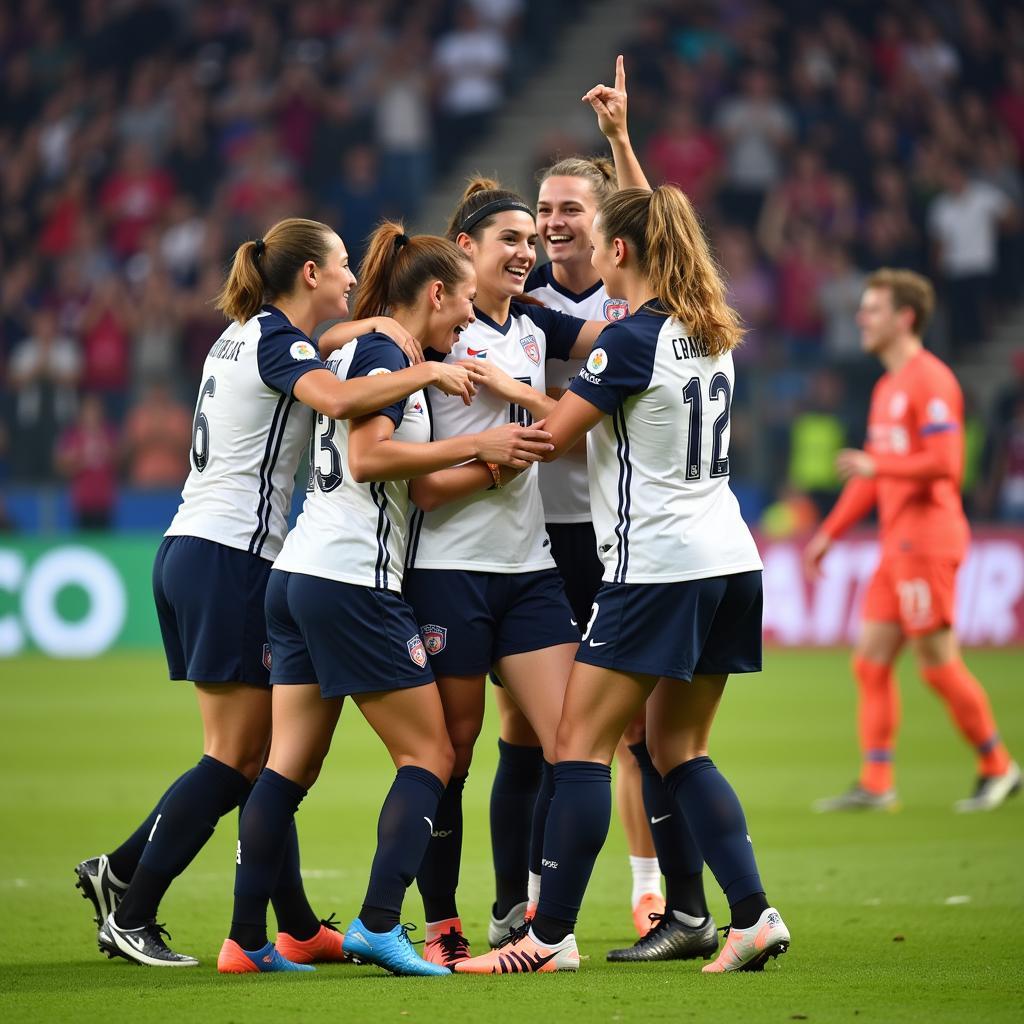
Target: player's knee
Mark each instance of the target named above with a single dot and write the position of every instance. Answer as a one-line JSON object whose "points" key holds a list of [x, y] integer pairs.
{"points": [[635, 732]]}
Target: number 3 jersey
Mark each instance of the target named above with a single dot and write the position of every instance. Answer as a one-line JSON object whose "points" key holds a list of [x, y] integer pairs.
{"points": [[659, 460], [349, 531], [248, 433], [498, 530]]}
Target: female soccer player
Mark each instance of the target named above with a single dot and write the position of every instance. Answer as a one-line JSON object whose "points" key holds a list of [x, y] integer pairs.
{"points": [[337, 621], [570, 191], [262, 382], [481, 578], [680, 607]]}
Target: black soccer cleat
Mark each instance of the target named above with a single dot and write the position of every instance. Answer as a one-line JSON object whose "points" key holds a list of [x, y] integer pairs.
{"points": [[99, 885], [670, 939], [143, 945]]}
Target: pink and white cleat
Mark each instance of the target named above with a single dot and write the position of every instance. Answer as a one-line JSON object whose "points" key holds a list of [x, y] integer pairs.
{"points": [[522, 953], [750, 949]]}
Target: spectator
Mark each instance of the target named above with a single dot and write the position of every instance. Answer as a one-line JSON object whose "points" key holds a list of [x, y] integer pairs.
{"points": [[133, 197], [964, 223], [358, 200], [44, 371], [684, 154], [156, 439], [839, 298], [87, 456], [751, 289], [106, 361]]}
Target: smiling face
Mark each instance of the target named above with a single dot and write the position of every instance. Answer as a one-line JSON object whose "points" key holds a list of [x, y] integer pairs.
{"points": [[451, 311], [503, 253], [565, 215], [334, 282]]}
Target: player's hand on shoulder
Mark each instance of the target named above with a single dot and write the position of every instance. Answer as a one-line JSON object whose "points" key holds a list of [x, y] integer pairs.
{"points": [[609, 103], [401, 337], [514, 446], [453, 379], [851, 462]]}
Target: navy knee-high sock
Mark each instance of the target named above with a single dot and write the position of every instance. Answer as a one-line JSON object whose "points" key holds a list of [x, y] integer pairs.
{"points": [[291, 906], [125, 859], [678, 854], [541, 810], [438, 876], [186, 820], [404, 829], [513, 798], [576, 830], [264, 834], [716, 819]]}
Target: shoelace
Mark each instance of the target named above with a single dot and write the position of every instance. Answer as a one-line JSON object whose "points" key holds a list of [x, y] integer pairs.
{"points": [[406, 928], [154, 930], [453, 944], [514, 935], [658, 921], [331, 923]]}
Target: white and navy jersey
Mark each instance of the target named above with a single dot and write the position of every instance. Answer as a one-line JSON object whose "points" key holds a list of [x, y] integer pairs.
{"points": [[248, 433], [499, 530], [659, 460], [348, 531], [563, 484]]}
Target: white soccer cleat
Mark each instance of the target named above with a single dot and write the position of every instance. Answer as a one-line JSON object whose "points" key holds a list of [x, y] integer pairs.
{"points": [[500, 928], [990, 791], [751, 948]]}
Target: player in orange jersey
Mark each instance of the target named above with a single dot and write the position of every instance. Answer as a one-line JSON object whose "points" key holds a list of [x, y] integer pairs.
{"points": [[911, 469]]}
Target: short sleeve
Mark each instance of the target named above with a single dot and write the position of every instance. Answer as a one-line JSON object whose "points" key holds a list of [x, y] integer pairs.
{"points": [[938, 405], [284, 354], [620, 364], [376, 354], [560, 329]]}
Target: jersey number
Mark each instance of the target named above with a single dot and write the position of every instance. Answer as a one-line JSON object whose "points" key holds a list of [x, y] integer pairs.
{"points": [[516, 413], [718, 388], [201, 427], [329, 480]]}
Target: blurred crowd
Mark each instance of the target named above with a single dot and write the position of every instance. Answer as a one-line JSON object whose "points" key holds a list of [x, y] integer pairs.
{"points": [[141, 140]]}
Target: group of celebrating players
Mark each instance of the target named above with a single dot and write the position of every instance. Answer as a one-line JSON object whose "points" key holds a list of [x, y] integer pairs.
{"points": [[608, 592]]}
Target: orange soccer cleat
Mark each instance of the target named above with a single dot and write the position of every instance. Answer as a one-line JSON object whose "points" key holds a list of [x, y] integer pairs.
{"points": [[323, 948], [524, 954], [648, 904], [446, 945]]}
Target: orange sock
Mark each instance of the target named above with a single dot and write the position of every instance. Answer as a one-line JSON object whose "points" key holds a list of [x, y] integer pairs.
{"points": [[878, 716], [968, 706]]}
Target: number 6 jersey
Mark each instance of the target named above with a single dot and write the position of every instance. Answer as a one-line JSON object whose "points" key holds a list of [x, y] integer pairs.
{"points": [[659, 460], [248, 433]]}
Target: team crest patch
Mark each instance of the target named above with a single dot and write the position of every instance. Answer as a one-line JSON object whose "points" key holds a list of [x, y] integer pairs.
{"points": [[531, 348], [598, 361], [434, 637], [616, 309], [938, 411], [302, 350], [266, 657], [417, 651]]}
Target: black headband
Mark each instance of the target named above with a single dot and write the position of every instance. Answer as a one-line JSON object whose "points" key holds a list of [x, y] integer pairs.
{"points": [[401, 240], [495, 206], [258, 247]]}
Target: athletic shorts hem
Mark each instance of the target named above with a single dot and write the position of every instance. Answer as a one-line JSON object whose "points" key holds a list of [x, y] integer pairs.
{"points": [[329, 692], [530, 647], [675, 672]]}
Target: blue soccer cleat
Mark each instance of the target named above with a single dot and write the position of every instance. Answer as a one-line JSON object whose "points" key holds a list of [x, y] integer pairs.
{"points": [[391, 950], [235, 960]]}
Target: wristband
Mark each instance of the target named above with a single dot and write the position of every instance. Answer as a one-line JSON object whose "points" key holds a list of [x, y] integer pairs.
{"points": [[495, 474]]}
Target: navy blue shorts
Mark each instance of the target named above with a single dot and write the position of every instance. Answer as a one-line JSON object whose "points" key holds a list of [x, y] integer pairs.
{"points": [[347, 638], [209, 600], [574, 549], [469, 620], [679, 630]]}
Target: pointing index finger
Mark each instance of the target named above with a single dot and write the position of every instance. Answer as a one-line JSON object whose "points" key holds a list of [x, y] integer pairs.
{"points": [[620, 73]]}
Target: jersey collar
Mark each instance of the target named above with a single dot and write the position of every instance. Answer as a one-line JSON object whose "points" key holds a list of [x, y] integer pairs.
{"points": [[549, 279], [500, 328]]}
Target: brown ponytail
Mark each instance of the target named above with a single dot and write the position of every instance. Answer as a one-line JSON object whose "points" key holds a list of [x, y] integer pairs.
{"points": [[672, 253], [396, 267], [265, 269]]}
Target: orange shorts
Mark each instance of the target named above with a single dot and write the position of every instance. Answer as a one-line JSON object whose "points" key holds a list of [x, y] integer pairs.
{"points": [[918, 593]]}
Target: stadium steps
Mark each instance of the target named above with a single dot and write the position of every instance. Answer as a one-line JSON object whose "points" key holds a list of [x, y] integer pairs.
{"points": [[548, 106], [988, 368]]}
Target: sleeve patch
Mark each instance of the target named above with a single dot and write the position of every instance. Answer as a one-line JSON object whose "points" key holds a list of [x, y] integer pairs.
{"points": [[937, 411], [377, 371], [598, 361], [302, 350]]}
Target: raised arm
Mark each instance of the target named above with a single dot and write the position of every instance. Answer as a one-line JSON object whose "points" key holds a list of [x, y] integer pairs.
{"points": [[610, 106]]}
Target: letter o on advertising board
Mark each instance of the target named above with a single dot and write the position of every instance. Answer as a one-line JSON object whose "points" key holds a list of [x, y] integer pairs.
{"points": [[108, 605]]}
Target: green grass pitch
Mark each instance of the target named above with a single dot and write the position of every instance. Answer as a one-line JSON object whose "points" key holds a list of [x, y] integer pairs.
{"points": [[912, 916]]}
